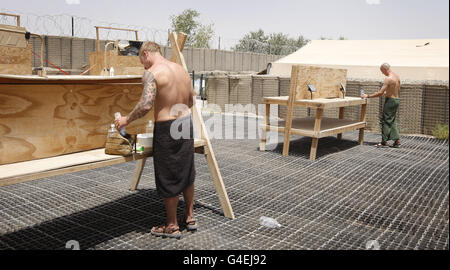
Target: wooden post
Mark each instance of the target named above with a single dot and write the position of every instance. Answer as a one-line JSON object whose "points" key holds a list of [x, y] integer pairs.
{"points": [[262, 144], [137, 173], [341, 116], [290, 111], [181, 40], [97, 42], [362, 119], [198, 123], [315, 140]]}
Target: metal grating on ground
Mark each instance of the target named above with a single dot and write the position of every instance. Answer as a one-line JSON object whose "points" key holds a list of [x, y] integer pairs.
{"points": [[350, 195]]}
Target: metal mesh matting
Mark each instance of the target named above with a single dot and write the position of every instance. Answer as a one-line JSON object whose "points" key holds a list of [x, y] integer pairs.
{"points": [[349, 196]]}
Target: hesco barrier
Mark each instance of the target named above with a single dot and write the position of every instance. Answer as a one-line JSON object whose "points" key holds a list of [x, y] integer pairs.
{"points": [[264, 86], [423, 105], [239, 85]]}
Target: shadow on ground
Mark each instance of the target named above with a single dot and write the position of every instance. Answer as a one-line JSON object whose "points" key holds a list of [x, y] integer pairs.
{"points": [[98, 225], [302, 146]]}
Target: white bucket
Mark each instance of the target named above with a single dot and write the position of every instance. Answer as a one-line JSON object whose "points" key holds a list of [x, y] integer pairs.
{"points": [[145, 140]]}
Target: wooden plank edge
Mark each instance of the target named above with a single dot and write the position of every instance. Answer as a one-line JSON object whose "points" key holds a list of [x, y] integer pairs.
{"points": [[75, 168], [321, 134], [343, 129]]}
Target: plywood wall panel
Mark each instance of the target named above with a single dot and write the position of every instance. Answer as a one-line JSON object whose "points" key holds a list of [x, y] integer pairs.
{"points": [[14, 60], [326, 81], [123, 65], [39, 120]]}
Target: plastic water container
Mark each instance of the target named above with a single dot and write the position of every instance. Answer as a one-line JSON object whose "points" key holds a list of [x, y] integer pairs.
{"points": [[112, 130], [145, 141], [111, 71], [269, 222]]}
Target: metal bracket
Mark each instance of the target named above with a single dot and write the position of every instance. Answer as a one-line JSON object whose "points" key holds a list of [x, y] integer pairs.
{"points": [[343, 90], [311, 89]]}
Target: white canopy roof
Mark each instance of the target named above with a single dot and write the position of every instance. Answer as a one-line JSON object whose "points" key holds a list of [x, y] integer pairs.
{"points": [[426, 59]]}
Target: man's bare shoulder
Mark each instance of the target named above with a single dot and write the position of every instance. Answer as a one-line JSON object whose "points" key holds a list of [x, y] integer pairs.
{"points": [[389, 80], [162, 73], [396, 78]]}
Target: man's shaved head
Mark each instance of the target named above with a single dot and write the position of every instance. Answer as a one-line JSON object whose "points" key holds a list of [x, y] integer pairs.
{"points": [[386, 66], [151, 47], [149, 53], [385, 69]]}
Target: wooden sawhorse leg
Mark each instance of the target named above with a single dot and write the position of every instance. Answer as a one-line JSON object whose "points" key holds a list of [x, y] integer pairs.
{"points": [[287, 128], [262, 143], [315, 140], [362, 119], [137, 173], [341, 116]]}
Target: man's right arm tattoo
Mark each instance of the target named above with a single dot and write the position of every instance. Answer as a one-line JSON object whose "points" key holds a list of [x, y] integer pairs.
{"points": [[145, 104]]}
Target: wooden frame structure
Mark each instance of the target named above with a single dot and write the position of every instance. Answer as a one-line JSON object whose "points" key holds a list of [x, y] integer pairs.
{"points": [[12, 15], [16, 51], [89, 89], [123, 65], [97, 41], [315, 127]]}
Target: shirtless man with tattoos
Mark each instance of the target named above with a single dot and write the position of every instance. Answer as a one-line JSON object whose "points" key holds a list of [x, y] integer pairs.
{"points": [[167, 84]]}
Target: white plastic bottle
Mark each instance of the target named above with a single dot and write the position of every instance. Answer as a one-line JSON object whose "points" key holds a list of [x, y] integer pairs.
{"points": [[111, 72], [111, 130], [122, 130], [269, 222]]}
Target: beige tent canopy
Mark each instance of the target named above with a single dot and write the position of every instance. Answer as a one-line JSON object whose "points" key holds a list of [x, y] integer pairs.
{"points": [[425, 59]]}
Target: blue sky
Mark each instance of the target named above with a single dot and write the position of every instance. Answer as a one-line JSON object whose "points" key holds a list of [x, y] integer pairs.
{"points": [[353, 19]]}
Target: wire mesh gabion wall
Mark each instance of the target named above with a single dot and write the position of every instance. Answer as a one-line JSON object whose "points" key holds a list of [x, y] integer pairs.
{"points": [[423, 105], [435, 107]]}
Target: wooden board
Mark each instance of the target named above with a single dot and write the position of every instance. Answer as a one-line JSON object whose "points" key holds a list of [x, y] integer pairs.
{"points": [[326, 81], [15, 60], [86, 160], [43, 120], [328, 127], [70, 79], [324, 103], [123, 65], [16, 40]]}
